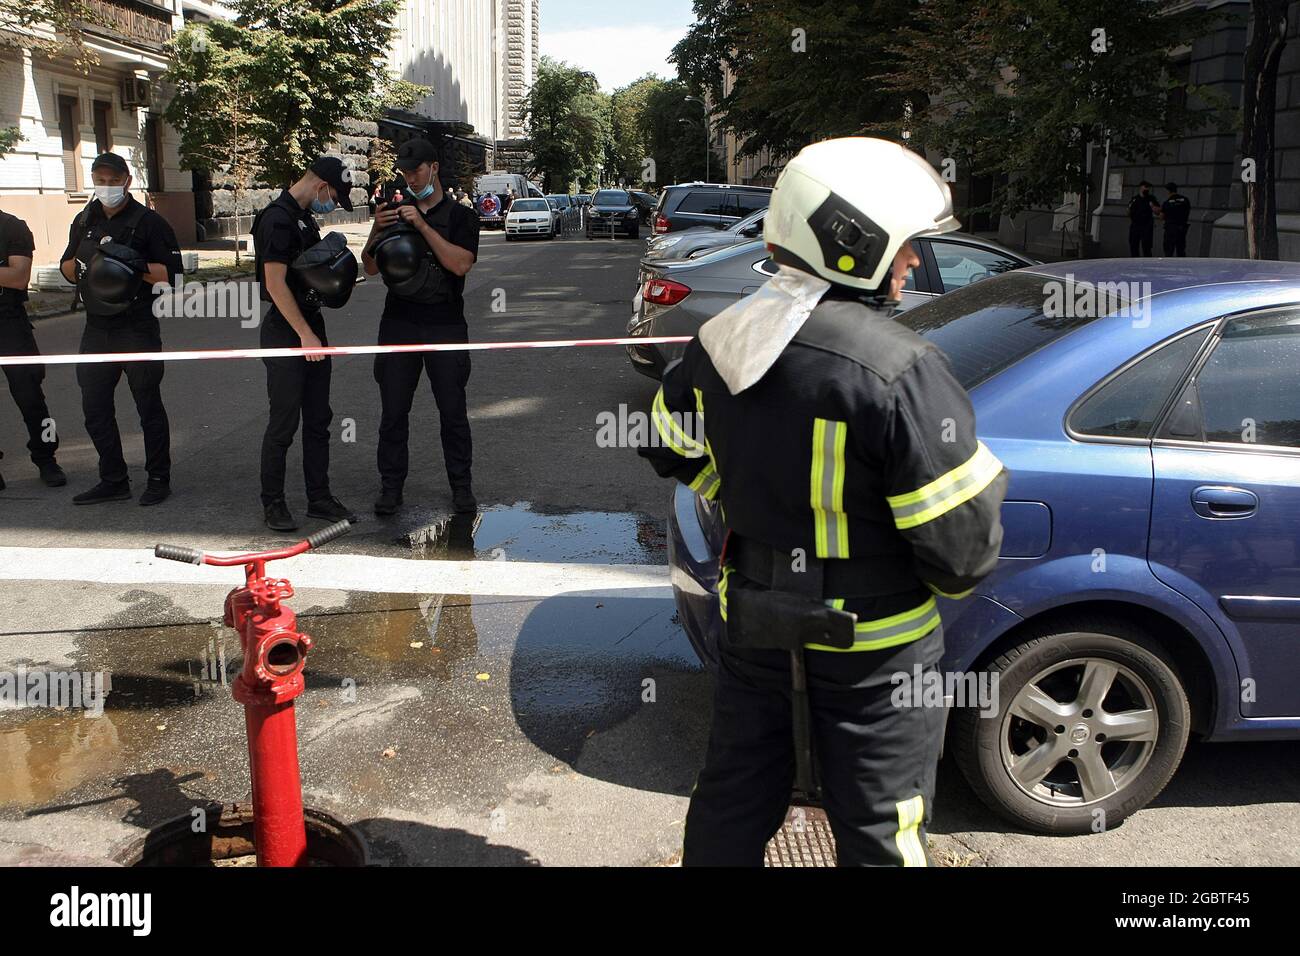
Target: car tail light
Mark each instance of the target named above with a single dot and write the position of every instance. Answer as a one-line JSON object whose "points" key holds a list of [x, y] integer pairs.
{"points": [[662, 224], [664, 291]]}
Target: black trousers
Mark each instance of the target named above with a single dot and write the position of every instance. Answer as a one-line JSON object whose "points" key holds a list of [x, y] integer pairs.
{"points": [[1141, 237], [1176, 241], [16, 338], [398, 375], [297, 390], [877, 760], [99, 382]]}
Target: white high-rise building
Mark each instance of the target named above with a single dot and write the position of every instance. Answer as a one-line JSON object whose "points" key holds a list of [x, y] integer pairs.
{"points": [[480, 57]]}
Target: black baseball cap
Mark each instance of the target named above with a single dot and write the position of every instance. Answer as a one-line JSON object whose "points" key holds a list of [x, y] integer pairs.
{"points": [[337, 175], [111, 161], [414, 152]]}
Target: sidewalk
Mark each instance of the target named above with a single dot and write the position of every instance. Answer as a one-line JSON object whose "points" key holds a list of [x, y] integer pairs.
{"points": [[216, 262]]}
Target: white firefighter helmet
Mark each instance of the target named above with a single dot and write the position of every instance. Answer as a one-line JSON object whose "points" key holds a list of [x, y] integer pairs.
{"points": [[843, 208]]}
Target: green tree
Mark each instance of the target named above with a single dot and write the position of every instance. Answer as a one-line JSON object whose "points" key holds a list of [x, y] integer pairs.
{"points": [[801, 70], [567, 118], [49, 28], [674, 134], [307, 65], [1025, 87], [629, 145]]}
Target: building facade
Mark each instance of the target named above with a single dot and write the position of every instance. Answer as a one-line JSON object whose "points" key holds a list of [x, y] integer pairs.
{"points": [[67, 117]]}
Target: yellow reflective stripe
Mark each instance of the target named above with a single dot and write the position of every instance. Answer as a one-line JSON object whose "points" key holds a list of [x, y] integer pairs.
{"points": [[830, 523], [952, 597], [947, 491], [708, 482], [891, 631], [671, 432], [908, 837], [722, 591]]}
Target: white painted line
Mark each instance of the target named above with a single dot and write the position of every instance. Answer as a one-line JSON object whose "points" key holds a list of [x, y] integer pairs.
{"points": [[344, 572]]}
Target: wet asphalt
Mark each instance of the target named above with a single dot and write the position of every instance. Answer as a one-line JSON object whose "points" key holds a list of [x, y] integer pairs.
{"points": [[450, 728]]}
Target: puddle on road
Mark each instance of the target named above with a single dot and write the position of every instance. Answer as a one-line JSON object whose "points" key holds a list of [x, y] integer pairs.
{"points": [[518, 533]]}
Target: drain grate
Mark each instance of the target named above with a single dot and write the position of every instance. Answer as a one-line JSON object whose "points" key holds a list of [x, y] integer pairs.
{"points": [[804, 840]]}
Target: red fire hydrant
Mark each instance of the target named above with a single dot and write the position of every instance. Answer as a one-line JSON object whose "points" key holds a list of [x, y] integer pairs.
{"points": [[274, 657]]}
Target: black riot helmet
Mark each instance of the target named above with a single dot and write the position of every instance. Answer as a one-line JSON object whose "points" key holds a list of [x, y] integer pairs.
{"points": [[112, 279], [328, 271], [403, 258]]}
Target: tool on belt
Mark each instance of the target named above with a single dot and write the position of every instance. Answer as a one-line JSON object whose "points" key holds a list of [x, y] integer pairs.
{"points": [[785, 613]]}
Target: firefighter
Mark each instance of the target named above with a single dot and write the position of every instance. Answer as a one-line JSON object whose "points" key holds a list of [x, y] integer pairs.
{"points": [[844, 456]]}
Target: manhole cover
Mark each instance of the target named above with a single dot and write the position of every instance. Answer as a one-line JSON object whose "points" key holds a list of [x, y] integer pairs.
{"points": [[804, 840]]}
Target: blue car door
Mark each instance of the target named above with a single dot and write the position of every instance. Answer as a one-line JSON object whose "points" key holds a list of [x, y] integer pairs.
{"points": [[1225, 526]]}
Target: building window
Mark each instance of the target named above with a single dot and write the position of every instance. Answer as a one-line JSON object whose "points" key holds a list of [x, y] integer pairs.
{"points": [[103, 127], [70, 132], [153, 148]]}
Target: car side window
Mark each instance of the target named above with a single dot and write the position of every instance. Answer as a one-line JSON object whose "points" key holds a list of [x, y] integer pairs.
{"points": [[704, 202], [750, 203], [1127, 406], [1248, 390], [960, 264]]}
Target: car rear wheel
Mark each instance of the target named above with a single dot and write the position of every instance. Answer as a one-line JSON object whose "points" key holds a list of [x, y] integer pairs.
{"points": [[1091, 723]]}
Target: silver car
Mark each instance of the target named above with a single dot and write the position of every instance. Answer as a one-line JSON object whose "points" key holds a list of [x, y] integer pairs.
{"points": [[677, 296], [700, 240]]}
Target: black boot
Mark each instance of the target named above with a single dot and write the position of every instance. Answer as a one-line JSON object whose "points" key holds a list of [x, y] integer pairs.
{"points": [[104, 491], [463, 500], [330, 509], [52, 474], [278, 517], [157, 491], [388, 502]]}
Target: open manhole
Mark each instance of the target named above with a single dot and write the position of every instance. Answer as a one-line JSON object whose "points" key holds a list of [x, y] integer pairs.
{"points": [[227, 840], [804, 840]]}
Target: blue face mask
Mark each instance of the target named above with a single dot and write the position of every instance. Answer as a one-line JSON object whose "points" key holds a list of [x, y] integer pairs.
{"points": [[321, 208], [424, 193]]}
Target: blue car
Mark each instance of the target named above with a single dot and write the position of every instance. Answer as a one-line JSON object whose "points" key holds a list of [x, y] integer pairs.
{"points": [[1149, 582]]}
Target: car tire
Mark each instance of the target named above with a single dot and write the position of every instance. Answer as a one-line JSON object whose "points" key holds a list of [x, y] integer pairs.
{"points": [[1048, 662]]}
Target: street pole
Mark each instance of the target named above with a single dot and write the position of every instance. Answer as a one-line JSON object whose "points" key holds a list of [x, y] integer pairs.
{"points": [[707, 150]]}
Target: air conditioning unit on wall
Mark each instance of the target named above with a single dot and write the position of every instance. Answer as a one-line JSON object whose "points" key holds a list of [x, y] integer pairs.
{"points": [[136, 91]]}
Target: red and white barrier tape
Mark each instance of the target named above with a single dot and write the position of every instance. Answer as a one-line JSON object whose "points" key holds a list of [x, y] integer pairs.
{"points": [[194, 354]]}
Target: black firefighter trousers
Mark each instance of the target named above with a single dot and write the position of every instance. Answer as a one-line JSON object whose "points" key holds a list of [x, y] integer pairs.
{"points": [[877, 760]]}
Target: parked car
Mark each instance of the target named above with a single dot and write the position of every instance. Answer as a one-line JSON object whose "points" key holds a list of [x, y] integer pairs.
{"points": [[1149, 581], [717, 205], [613, 211], [699, 240], [645, 203], [677, 296], [570, 217], [531, 217]]}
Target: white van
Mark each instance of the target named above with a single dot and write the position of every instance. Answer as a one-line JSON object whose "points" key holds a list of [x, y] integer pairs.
{"points": [[500, 182]]}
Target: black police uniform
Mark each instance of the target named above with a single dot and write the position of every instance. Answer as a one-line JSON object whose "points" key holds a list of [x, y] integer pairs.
{"points": [[1141, 230], [856, 450], [1177, 209], [135, 329], [406, 322], [16, 338], [297, 389]]}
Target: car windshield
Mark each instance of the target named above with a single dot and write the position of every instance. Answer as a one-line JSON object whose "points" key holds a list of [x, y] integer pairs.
{"points": [[718, 255], [748, 221], [611, 197], [559, 200], [528, 205], [991, 325]]}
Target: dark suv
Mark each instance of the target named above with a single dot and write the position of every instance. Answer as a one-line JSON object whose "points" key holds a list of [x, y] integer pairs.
{"points": [[707, 204], [613, 211]]}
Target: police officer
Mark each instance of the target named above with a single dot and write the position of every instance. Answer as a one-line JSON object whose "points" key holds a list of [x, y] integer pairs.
{"points": [[426, 308], [117, 251], [1142, 210], [16, 338], [297, 387], [1175, 211], [844, 455]]}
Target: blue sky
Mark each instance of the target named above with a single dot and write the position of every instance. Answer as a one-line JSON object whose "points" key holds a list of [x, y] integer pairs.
{"points": [[618, 40]]}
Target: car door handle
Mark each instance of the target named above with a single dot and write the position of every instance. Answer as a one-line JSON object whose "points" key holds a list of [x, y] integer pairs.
{"points": [[1218, 501]]}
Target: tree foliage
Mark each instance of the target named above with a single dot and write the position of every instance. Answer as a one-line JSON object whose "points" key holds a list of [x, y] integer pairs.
{"points": [[567, 117], [1022, 87], [306, 66], [802, 70], [49, 28]]}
